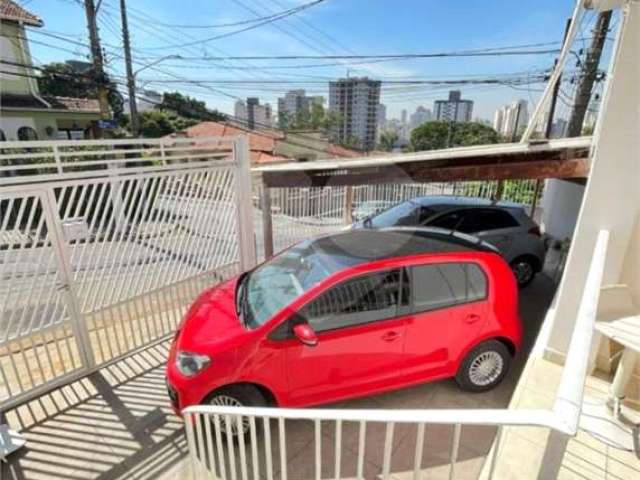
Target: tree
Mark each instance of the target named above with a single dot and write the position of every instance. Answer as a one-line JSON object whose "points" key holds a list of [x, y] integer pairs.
{"points": [[439, 135], [189, 107], [388, 141], [62, 80], [314, 118], [156, 123]]}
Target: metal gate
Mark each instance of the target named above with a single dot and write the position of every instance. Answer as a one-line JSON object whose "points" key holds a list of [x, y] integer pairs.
{"points": [[104, 243]]}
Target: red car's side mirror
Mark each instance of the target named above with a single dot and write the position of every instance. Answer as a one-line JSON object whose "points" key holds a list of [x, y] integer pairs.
{"points": [[305, 334]]}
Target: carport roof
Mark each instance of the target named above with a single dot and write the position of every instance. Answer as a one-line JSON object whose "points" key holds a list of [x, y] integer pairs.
{"points": [[561, 158]]}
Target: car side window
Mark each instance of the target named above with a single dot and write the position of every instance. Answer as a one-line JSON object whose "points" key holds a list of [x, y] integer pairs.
{"points": [[443, 285], [484, 219], [367, 298], [450, 221]]}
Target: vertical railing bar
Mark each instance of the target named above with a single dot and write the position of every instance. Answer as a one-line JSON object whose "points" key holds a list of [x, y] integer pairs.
{"points": [[199, 440], [361, 448], [417, 458], [454, 450], [388, 448], [230, 446], [283, 449], [318, 448], [338, 450], [254, 448], [219, 444], [267, 448], [241, 446], [209, 441]]}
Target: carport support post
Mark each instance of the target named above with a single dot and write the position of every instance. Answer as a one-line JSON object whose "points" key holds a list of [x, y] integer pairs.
{"points": [[267, 220], [244, 201], [348, 205]]}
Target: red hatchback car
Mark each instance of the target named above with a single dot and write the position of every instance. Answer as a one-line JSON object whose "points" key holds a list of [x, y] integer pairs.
{"points": [[348, 315]]}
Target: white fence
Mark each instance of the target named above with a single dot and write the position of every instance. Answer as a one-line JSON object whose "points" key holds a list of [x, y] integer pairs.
{"points": [[215, 454], [299, 213], [104, 243]]}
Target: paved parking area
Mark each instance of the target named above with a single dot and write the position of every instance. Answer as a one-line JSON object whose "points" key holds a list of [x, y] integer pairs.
{"points": [[117, 423]]}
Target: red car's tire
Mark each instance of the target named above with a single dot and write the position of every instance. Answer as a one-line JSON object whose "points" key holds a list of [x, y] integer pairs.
{"points": [[484, 367]]}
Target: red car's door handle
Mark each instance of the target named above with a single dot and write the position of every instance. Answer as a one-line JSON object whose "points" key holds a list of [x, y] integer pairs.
{"points": [[391, 336], [472, 318]]}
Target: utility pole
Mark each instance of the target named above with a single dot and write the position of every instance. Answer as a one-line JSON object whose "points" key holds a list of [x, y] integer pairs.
{"points": [[131, 79], [556, 89], [98, 61], [589, 74]]}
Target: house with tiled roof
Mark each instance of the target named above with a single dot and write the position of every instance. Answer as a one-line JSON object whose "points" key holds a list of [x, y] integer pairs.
{"points": [[25, 114], [273, 146]]}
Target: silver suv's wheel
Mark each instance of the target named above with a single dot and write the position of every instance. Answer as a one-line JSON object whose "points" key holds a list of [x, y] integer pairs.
{"points": [[523, 270], [484, 367]]}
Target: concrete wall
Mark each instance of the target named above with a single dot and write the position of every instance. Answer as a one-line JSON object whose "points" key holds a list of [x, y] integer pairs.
{"points": [[11, 121], [560, 208]]}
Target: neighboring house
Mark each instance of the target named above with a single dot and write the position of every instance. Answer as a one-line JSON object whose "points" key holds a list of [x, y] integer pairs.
{"points": [[273, 146], [24, 113]]}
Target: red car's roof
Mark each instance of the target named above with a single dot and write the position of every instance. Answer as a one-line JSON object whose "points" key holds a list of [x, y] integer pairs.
{"points": [[366, 245]]}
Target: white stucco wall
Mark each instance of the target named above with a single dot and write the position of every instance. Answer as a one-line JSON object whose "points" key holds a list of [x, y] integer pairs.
{"points": [[560, 207], [612, 195]]}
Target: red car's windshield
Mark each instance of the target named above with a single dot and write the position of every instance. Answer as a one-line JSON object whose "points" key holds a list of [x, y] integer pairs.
{"points": [[277, 282]]}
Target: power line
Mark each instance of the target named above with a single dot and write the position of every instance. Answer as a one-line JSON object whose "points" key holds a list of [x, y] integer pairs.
{"points": [[245, 29], [401, 56], [276, 15]]}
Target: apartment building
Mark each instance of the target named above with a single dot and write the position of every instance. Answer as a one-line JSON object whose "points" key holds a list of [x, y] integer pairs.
{"points": [[355, 101]]}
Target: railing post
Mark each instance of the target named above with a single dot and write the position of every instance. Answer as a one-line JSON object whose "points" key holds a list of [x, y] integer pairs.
{"points": [[267, 220], [56, 156], [348, 205], [246, 232], [163, 158], [58, 242]]}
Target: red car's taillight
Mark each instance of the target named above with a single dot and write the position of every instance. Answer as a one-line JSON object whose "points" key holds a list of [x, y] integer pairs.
{"points": [[535, 231]]}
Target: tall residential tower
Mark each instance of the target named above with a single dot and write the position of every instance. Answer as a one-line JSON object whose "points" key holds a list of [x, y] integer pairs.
{"points": [[355, 101], [454, 109]]}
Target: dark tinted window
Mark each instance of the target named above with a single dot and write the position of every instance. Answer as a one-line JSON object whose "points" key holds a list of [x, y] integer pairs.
{"points": [[442, 285], [364, 299], [482, 219], [450, 221]]}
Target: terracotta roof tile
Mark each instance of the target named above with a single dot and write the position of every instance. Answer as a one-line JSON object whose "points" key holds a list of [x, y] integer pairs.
{"points": [[10, 10], [265, 142], [74, 104]]}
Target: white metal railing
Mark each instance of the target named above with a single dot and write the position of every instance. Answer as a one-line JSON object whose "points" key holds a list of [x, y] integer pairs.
{"points": [[101, 257], [299, 213], [23, 162], [215, 454]]}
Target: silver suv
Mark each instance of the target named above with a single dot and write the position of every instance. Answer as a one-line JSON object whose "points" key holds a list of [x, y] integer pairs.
{"points": [[503, 224]]}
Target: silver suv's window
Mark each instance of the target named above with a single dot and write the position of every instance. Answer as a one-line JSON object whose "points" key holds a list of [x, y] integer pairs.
{"points": [[484, 219]]}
